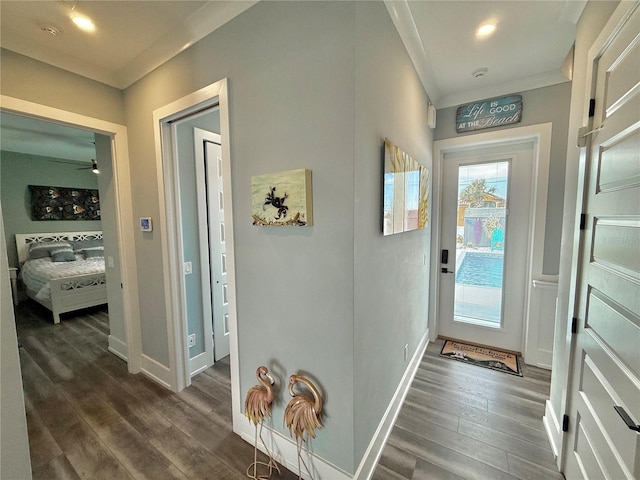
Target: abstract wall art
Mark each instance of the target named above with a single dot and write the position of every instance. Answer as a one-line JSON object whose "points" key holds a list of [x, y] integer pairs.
{"points": [[405, 192], [62, 203], [282, 199]]}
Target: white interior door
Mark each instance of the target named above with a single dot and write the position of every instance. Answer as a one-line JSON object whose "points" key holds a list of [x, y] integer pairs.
{"points": [[212, 243], [605, 373], [486, 212], [217, 240]]}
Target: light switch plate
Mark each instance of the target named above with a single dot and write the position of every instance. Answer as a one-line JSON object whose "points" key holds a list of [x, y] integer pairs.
{"points": [[188, 268]]}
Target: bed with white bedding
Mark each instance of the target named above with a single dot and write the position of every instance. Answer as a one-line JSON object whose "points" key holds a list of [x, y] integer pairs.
{"points": [[63, 271]]}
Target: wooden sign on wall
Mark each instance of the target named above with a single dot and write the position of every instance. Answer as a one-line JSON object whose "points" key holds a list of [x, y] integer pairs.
{"points": [[494, 112]]}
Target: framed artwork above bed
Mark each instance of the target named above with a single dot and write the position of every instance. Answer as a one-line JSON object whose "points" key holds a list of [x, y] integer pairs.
{"points": [[64, 203]]}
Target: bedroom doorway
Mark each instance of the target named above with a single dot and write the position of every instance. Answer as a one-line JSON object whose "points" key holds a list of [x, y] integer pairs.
{"points": [[112, 155]]}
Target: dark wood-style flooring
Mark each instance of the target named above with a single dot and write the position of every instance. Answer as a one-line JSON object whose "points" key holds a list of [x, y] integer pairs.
{"points": [[461, 421], [89, 419]]}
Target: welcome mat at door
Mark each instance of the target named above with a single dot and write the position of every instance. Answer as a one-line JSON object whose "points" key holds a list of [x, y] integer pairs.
{"points": [[481, 356]]}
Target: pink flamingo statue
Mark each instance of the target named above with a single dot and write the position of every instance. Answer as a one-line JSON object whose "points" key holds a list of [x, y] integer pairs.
{"points": [[257, 406], [303, 415]]}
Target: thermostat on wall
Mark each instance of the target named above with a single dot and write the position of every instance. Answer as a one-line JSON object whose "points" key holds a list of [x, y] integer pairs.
{"points": [[145, 224]]}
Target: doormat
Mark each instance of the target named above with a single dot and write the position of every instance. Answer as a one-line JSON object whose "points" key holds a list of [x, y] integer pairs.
{"points": [[481, 356]]}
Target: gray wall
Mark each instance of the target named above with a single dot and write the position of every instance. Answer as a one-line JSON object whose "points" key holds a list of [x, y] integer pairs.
{"points": [[28, 79], [290, 68], [17, 171], [542, 105], [391, 281], [327, 301], [14, 444]]}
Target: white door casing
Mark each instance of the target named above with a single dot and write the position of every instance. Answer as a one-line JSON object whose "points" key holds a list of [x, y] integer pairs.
{"points": [[605, 370], [124, 210], [177, 374], [541, 135]]}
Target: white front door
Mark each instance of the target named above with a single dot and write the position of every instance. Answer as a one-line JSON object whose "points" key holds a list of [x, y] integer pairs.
{"points": [[486, 212], [604, 393]]}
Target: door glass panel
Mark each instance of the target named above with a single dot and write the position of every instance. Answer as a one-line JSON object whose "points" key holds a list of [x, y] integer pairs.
{"points": [[480, 243]]}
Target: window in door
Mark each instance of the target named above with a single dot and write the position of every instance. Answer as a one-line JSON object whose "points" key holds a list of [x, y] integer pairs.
{"points": [[480, 243]]}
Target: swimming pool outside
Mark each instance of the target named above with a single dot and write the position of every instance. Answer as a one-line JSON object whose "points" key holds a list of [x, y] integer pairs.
{"points": [[478, 287], [481, 269]]}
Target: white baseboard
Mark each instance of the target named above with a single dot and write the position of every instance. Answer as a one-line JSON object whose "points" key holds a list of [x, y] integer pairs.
{"points": [[199, 363], [118, 348], [552, 427], [156, 371], [284, 448], [374, 450]]}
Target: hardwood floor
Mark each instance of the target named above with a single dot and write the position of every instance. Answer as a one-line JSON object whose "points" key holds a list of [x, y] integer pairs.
{"points": [[465, 422], [89, 419]]}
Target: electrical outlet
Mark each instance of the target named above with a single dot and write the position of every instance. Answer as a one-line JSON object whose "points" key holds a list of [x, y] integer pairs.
{"points": [[192, 340], [406, 352]]}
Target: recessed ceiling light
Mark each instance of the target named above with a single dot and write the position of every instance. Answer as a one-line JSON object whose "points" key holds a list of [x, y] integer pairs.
{"points": [[83, 23], [485, 30]]}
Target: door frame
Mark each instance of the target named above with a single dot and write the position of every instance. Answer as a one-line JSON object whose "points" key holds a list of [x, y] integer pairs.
{"points": [[541, 135], [124, 208], [179, 375]]}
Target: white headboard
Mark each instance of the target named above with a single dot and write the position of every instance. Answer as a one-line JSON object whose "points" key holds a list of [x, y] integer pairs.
{"points": [[23, 240]]}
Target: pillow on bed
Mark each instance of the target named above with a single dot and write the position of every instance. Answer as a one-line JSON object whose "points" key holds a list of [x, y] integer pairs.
{"points": [[63, 254], [43, 249], [79, 245], [93, 252]]}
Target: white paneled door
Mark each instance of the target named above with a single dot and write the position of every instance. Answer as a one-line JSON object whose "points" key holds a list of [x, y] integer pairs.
{"points": [[212, 242], [604, 396], [218, 257]]}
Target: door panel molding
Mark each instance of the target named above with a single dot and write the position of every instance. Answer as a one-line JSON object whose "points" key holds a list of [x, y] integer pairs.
{"points": [[604, 369]]}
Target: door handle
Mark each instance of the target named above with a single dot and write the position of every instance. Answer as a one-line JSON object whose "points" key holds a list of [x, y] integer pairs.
{"points": [[626, 418], [445, 270]]}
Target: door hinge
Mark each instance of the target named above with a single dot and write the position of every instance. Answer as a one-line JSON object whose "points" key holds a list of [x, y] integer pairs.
{"points": [[574, 325], [565, 423], [583, 221], [592, 107]]}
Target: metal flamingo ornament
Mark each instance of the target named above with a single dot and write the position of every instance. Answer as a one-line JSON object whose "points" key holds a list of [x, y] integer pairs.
{"points": [[303, 415], [257, 406]]}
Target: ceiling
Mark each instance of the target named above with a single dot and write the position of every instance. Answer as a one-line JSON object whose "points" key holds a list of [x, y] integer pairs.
{"points": [[527, 50]]}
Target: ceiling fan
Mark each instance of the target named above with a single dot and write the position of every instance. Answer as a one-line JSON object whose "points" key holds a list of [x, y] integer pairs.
{"points": [[93, 167]]}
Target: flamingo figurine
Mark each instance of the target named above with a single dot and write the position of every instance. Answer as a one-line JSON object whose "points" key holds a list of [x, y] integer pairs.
{"points": [[257, 406], [303, 415]]}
